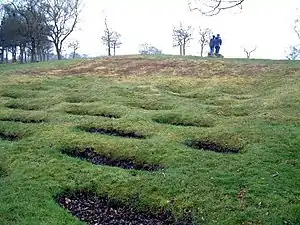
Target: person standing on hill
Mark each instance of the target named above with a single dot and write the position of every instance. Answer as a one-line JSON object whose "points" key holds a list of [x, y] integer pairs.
{"points": [[217, 44], [212, 45]]}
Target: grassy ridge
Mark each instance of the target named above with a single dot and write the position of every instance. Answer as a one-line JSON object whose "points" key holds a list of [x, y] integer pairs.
{"points": [[258, 114]]}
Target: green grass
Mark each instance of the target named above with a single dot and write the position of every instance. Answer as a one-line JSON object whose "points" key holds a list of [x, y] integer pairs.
{"points": [[259, 115]]}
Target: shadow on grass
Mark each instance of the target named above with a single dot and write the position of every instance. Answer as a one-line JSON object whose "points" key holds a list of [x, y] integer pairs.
{"points": [[207, 145]]}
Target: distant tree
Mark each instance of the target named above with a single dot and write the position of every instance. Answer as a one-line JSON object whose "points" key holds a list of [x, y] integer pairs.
{"points": [[294, 51], [181, 37], [111, 39], [115, 41], [148, 49], [213, 7], [33, 20], [205, 35], [248, 52], [62, 18], [74, 45]]}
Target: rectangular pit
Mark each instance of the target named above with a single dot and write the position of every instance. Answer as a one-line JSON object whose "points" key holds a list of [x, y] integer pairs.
{"points": [[90, 155]]}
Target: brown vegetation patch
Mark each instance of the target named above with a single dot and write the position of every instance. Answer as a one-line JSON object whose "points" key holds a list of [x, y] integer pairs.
{"points": [[140, 65]]}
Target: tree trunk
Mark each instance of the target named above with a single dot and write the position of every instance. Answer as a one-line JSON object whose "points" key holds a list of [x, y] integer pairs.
{"points": [[74, 54], [14, 54], [6, 55], [202, 49], [2, 55], [108, 48], [180, 49], [114, 49], [21, 53], [57, 46], [33, 50]]}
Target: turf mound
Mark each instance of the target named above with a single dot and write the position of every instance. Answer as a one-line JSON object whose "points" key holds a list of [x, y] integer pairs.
{"points": [[183, 120]]}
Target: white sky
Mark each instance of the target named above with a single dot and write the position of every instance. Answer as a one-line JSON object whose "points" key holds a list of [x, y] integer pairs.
{"points": [[267, 24]]}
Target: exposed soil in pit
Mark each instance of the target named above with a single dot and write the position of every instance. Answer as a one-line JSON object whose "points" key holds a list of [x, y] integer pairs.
{"points": [[212, 146], [99, 159], [9, 137], [115, 132], [96, 210]]}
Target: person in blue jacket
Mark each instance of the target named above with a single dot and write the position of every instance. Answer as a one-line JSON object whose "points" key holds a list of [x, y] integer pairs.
{"points": [[217, 44], [212, 45]]}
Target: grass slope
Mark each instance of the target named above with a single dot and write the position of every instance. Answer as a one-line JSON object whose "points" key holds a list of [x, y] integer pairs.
{"points": [[249, 105]]}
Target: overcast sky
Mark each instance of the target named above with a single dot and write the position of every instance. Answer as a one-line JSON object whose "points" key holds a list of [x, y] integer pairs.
{"points": [[267, 24]]}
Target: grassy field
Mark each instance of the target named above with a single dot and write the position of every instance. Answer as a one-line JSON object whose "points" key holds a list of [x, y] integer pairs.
{"points": [[175, 104]]}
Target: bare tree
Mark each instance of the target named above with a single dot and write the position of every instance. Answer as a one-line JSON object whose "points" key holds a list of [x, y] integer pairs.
{"points": [[294, 53], [74, 45], [248, 52], [213, 7], [111, 39], [115, 41], [148, 49], [297, 27], [33, 20], [61, 17], [205, 35], [181, 37]]}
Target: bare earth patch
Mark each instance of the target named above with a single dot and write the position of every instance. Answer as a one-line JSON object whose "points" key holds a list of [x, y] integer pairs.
{"points": [[93, 157], [103, 210], [10, 136]]}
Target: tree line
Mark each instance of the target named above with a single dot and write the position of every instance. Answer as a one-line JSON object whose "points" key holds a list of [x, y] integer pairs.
{"points": [[30, 28]]}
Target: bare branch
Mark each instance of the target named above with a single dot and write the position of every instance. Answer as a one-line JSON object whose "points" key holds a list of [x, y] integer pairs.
{"points": [[205, 35], [213, 7], [297, 27], [248, 52], [62, 17], [111, 39], [181, 37]]}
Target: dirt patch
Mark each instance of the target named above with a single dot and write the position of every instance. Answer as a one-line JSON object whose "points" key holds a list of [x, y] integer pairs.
{"points": [[95, 210], [212, 146], [134, 65], [93, 157], [10, 137], [115, 132]]}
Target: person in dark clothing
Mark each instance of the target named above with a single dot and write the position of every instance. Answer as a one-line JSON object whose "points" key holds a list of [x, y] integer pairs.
{"points": [[217, 43], [212, 45]]}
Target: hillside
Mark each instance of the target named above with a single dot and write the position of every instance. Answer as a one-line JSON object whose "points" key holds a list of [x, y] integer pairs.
{"points": [[150, 140]]}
